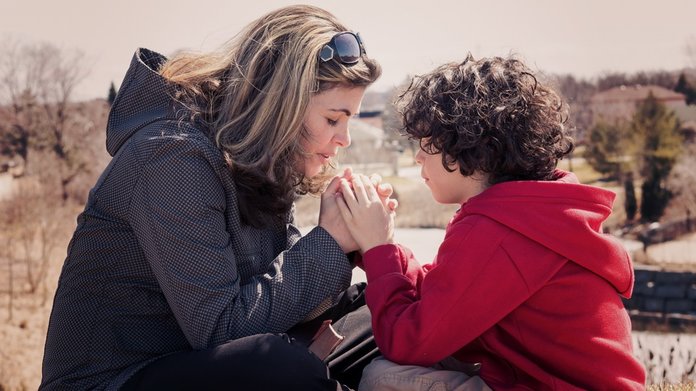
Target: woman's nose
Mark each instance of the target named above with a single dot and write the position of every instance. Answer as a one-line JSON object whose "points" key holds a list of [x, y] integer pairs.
{"points": [[342, 136]]}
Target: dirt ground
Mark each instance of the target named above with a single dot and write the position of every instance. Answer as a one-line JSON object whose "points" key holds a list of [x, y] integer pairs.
{"points": [[21, 344]]}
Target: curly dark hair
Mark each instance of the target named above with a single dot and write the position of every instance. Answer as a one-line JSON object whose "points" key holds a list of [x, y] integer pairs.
{"points": [[490, 116]]}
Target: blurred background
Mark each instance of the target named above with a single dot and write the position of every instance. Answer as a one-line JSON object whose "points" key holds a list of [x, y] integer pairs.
{"points": [[627, 70]]}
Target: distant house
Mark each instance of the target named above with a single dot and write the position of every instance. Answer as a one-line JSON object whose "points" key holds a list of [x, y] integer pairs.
{"points": [[372, 107], [619, 103], [373, 118]]}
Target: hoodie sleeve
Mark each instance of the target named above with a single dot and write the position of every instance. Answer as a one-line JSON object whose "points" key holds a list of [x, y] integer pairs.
{"points": [[178, 214], [459, 298]]}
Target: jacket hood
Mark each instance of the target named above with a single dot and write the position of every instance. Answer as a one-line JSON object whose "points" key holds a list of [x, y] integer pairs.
{"points": [[563, 216], [144, 97]]}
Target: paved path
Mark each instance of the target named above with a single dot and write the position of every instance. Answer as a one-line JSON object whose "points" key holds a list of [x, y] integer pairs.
{"points": [[423, 242], [681, 251]]}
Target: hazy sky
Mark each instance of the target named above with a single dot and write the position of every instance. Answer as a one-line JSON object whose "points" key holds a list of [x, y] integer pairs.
{"points": [[585, 37]]}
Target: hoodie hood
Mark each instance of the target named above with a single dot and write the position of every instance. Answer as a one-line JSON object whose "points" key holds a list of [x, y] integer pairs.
{"points": [[144, 97], [564, 216]]}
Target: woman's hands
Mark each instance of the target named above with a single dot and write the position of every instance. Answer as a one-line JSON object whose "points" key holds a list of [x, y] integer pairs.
{"points": [[368, 216], [330, 216]]}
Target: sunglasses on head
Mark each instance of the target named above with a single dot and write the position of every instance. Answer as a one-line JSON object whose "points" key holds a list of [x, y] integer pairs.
{"points": [[346, 47]]}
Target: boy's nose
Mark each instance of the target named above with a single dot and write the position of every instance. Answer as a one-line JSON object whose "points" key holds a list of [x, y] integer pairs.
{"points": [[419, 156]]}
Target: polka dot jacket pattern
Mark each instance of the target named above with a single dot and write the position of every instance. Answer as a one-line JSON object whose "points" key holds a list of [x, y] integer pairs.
{"points": [[160, 261]]}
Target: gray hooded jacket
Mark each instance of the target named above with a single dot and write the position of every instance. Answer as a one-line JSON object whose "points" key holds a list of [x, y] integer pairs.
{"points": [[160, 261]]}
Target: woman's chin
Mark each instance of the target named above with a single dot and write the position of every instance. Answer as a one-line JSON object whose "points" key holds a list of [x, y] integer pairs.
{"points": [[311, 172], [317, 169]]}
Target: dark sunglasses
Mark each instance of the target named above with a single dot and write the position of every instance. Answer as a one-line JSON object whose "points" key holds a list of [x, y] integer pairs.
{"points": [[346, 46]]}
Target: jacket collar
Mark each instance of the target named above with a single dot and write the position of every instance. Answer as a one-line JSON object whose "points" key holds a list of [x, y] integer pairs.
{"points": [[144, 97]]}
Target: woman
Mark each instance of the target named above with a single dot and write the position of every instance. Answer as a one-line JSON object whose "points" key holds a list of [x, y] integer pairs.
{"points": [[185, 267]]}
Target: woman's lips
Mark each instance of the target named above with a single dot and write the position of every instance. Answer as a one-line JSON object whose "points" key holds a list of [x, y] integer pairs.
{"points": [[325, 157]]}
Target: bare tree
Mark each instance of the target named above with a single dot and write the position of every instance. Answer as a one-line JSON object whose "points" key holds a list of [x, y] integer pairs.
{"points": [[5, 255], [577, 93], [7, 223], [391, 119], [20, 116], [33, 228], [37, 81]]}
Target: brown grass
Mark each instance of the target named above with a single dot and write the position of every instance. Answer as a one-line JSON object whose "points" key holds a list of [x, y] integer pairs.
{"points": [[22, 337], [672, 387]]}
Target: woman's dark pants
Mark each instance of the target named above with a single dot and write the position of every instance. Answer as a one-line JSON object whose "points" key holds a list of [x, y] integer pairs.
{"points": [[273, 361]]}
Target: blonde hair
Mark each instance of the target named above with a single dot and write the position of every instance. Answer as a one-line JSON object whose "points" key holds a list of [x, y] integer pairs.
{"points": [[253, 94]]}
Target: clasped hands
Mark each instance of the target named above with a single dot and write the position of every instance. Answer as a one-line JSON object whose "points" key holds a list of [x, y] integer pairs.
{"points": [[358, 212]]}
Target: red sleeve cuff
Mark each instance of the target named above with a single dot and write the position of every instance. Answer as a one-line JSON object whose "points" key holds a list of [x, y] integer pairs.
{"points": [[383, 259]]}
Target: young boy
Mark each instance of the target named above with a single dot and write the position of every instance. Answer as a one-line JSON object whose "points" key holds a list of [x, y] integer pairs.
{"points": [[525, 287]]}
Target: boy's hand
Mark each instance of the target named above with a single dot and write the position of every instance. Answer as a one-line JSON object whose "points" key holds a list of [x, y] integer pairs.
{"points": [[385, 190], [368, 219]]}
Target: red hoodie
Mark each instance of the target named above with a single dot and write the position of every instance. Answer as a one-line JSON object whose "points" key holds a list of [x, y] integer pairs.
{"points": [[525, 283]]}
